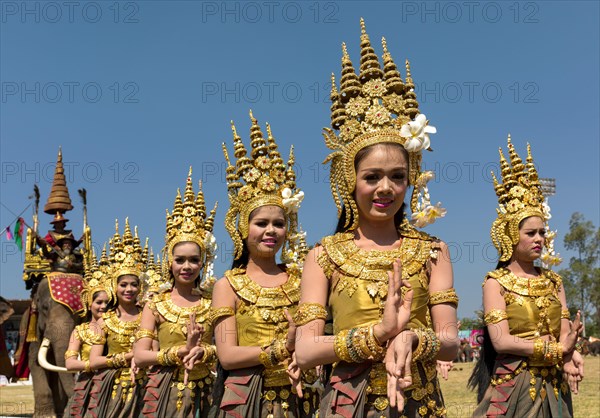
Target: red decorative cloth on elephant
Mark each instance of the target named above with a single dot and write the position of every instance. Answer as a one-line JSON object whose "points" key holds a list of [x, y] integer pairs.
{"points": [[66, 288]]}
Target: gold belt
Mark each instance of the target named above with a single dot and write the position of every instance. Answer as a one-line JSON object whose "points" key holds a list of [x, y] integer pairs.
{"points": [[275, 377]]}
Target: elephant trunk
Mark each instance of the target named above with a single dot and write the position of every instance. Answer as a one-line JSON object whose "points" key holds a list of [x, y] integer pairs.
{"points": [[42, 353]]}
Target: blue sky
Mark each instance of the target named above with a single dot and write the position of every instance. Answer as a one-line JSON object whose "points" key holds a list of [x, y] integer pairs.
{"points": [[136, 92]]}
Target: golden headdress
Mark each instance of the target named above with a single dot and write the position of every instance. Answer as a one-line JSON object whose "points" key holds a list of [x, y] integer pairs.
{"points": [[188, 223], [96, 279], [519, 197], [152, 279], [126, 255], [268, 181], [373, 107]]}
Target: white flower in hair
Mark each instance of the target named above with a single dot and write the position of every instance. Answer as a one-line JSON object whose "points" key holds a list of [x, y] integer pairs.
{"points": [[291, 202], [417, 132]]}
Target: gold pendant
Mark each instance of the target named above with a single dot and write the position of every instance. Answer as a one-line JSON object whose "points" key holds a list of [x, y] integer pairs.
{"points": [[532, 393], [543, 393]]}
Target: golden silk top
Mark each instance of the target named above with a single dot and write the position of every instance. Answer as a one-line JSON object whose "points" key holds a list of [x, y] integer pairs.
{"points": [[260, 315], [173, 330], [359, 278], [88, 338], [532, 304], [119, 334]]}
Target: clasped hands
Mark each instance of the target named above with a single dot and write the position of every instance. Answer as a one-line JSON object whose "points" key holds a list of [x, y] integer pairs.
{"points": [[392, 329]]}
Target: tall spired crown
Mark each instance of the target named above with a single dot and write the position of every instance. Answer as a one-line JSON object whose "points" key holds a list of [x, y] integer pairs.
{"points": [[261, 179], [126, 255], [519, 197], [188, 222], [371, 107], [59, 200]]}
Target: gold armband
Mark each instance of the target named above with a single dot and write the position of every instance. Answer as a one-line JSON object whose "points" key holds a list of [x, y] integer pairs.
{"points": [[216, 313], [308, 312], [444, 296], [565, 314], [145, 333], [494, 316], [71, 353]]}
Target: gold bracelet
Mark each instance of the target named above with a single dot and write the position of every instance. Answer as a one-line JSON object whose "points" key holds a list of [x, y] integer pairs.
{"points": [[281, 351], [308, 312], [559, 353], [160, 358], [173, 356], [87, 368], [433, 345], [71, 353], [209, 355], [110, 362], [421, 345], [265, 359], [377, 351], [340, 348], [145, 333], [444, 296], [564, 314], [494, 316], [538, 350]]}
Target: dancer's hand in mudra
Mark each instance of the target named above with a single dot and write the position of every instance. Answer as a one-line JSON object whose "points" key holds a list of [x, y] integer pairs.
{"points": [[396, 312]]}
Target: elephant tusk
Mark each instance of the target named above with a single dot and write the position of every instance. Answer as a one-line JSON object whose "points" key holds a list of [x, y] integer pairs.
{"points": [[44, 362]]}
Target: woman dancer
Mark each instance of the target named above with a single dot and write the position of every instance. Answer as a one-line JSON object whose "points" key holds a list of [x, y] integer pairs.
{"points": [[382, 281], [529, 341], [77, 357], [252, 304], [177, 321], [116, 391]]}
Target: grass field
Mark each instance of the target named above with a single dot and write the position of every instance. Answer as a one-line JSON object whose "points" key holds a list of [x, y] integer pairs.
{"points": [[461, 402], [18, 400]]}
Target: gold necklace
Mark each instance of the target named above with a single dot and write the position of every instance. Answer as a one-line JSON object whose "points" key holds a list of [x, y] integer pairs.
{"points": [[178, 316]]}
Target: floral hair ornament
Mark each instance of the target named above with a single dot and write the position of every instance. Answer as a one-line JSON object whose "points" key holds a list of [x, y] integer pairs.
{"points": [[188, 223], [519, 197], [262, 179], [373, 107]]}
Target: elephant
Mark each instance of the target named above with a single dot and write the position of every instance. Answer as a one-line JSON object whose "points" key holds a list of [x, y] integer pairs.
{"points": [[55, 322]]}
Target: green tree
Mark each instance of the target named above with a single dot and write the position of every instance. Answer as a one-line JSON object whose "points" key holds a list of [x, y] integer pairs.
{"points": [[472, 322], [582, 278]]}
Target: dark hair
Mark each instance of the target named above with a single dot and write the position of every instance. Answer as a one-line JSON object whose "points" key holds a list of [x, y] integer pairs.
{"points": [[360, 155], [481, 376], [242, 261]]}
